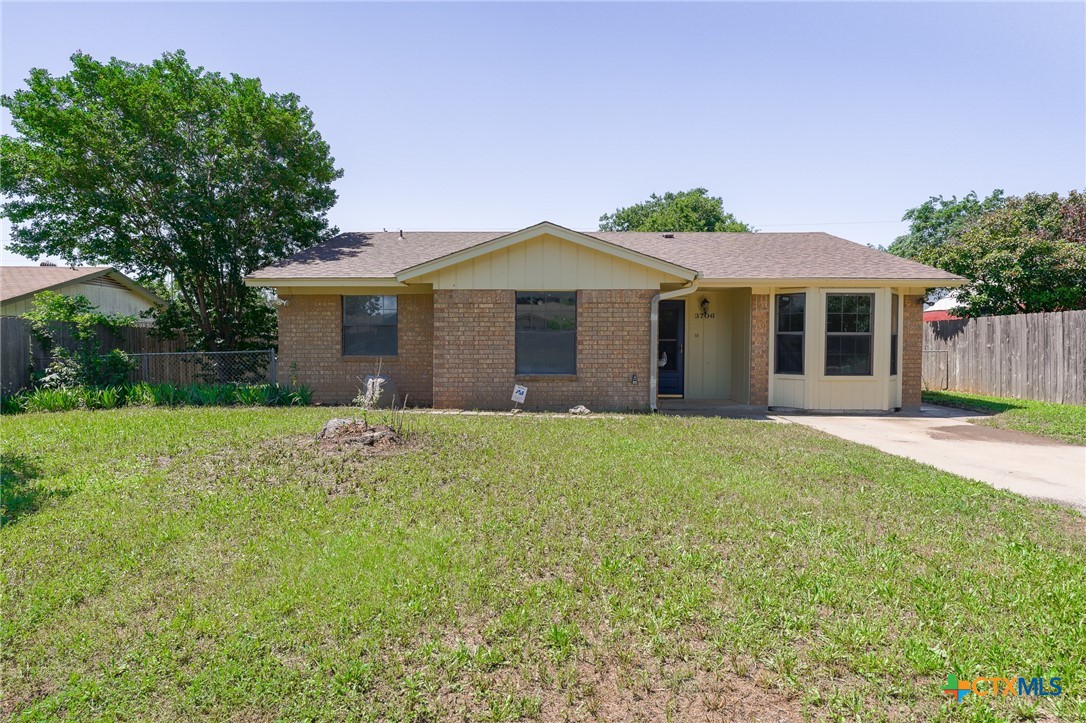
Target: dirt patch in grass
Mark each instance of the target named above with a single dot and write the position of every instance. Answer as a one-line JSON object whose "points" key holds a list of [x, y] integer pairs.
{"points": [[34, 691], [338, 467], [701, 695], [1070, 522], [601, 690], [342, 463]]}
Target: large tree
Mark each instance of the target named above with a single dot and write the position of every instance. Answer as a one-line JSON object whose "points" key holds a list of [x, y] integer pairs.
{"points": [[693, 210], [178, 175], [938, 220], [1028, 256]]}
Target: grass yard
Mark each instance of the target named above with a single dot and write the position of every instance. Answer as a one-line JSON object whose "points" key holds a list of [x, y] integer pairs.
{"points": [[211, 564], [1060, 421]]}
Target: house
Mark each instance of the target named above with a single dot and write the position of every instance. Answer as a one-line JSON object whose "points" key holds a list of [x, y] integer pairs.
{"points": [[611, 320], [941, 309], [108, 289]]}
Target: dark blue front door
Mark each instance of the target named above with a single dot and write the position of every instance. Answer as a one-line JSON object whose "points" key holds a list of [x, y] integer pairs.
{"points": [[669, 353]]}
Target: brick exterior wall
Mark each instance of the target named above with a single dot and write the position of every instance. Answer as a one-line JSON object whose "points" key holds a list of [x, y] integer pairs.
{"points": [[759, 350], [311, 336], [475, 352], [912, 339]]}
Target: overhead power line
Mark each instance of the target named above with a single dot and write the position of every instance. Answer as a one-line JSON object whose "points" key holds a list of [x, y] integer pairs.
{"points": [[821, 223]]}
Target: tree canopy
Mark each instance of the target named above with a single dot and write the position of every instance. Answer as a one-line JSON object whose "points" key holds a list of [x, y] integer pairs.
{"points": [[938, 220], [693, 210], [175, 174], [1027, 256]]}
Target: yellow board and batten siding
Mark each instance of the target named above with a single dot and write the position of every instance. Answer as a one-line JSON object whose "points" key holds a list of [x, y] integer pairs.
{"points": [[717, 347], [547, 263]]}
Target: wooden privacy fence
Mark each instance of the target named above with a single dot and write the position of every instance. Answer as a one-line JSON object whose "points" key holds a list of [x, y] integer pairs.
{"points": [[1026, 356], [16, 350], [19, 350]]}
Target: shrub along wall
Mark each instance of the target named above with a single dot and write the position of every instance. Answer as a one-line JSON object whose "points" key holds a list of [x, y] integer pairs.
{"points": [[155, 395]]}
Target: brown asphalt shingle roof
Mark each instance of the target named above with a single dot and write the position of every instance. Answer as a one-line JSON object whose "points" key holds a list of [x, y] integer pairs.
{"points": [[713, 255], [19, 281]]}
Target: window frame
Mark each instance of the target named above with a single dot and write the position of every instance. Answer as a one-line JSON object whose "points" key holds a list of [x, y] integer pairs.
{"points": [[517, 331], [827, 334], [802, 334], [895, 338], [344, 325]]}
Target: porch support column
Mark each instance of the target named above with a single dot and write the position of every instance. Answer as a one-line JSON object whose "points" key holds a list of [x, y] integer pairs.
{"points": [[912, 341], [759, 350]]}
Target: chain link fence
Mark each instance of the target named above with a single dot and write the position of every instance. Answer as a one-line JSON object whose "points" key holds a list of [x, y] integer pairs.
{"points": [[205, 367], [935, 369]]}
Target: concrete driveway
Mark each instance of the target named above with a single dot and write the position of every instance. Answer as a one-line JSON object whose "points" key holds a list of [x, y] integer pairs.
{"points": [[944, 438]]}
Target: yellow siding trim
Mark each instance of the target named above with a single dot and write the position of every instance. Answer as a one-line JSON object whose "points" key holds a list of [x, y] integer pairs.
{"points": [[547, 262]]}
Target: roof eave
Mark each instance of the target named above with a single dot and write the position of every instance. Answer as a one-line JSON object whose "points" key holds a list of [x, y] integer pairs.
{"points": [[360, 281], [932, 283]]}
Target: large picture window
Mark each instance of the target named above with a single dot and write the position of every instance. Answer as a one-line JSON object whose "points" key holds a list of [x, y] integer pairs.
{"points": [[369, 325], [791, 310], [894, 311], [546, 332], [849, 320]]}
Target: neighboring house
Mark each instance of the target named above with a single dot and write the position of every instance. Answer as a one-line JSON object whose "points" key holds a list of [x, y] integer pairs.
{"points": [[941, 309], [108, 289], [610, 320]]}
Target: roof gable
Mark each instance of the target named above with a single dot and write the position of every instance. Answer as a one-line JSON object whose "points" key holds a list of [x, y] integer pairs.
{"points": [[22, 282], [546, 262], [549, 229]]}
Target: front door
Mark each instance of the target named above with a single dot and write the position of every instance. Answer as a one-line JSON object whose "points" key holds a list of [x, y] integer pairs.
{"points": [[669, 353]]}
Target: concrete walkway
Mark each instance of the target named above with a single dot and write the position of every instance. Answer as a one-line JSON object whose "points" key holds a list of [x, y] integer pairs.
{"points": [[943, 437]]}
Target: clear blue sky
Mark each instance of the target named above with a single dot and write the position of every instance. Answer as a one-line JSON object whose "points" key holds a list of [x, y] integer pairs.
{"points": [[496, 116]]}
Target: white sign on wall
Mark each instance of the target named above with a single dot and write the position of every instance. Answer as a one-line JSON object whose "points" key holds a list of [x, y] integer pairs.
{"points": [[519, 393]]}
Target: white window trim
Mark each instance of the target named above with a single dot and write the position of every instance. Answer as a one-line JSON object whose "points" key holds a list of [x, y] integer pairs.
{"points": [[773, 294], [877, 374]]}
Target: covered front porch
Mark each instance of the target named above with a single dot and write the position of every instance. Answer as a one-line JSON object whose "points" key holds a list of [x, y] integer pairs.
{"points": [[703, 347]]}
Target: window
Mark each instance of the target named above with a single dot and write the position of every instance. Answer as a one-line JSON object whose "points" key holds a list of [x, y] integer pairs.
{"points": [[546, 332], [369, 325], [848, 334], [791, 310], [893, 334]]}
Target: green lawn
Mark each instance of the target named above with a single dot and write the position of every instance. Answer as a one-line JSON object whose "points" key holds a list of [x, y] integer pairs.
{"points": [[1061, 421], [182, 564]]}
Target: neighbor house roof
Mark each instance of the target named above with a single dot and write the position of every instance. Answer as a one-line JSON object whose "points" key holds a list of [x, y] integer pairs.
{"points": [[20, 282], [725, 256], [941, 309]]}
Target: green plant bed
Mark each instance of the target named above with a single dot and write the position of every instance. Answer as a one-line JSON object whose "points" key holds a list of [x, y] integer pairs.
{"points": [[1066, 422], [155, 395]]}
